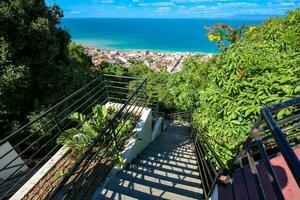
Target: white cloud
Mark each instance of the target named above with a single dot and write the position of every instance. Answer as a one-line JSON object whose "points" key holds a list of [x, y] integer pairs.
{"points": [[144, 4], [164, 8], [201, 7], [237, 4], [286, 4], [74, 12], [120, 7], [197, 1], [158, 4], [107, 1], [163, 4], [181, 7]]}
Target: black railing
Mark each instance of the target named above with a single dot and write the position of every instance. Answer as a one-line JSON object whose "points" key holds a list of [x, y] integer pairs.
{"points": [[210, 166], [34, 144], [180, 117], [273, 134]]}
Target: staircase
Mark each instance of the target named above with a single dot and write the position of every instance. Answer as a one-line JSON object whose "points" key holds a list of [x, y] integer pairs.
{"points": [[166, 169]]}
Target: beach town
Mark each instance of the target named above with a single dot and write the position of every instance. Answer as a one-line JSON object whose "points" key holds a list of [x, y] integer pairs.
{"points": [[155, 60]]}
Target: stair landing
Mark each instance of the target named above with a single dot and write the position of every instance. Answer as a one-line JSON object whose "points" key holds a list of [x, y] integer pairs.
{"points": [[243, 186]]}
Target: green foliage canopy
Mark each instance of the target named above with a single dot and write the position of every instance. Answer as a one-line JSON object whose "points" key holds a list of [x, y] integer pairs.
{"points": [[227, 92], [37, 65], [260, 69]]}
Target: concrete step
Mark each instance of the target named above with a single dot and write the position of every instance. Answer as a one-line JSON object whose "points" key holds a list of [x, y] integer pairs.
{"points": [[193, 173], [175, 188], [166, 169], [132, 190], [166, 147], [165, 175], [124, 190], [170, 157], [181, 155], [166, 150], [181, 138], [178, 145], [171, 141], [168, 161], [172, 163], [177, 129], [175, 137]]}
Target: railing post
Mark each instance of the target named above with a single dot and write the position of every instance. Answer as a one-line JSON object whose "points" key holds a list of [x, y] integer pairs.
{"points": [[106, 88], [270, 171], [114, 128], [287, 152], [254, 172], [56, 122]]}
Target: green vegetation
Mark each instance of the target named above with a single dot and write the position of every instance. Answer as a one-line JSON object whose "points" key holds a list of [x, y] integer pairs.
{"points": [[88, 128], [258, 66], [78, 139], [38, 66], [227, 92], [223, 34], [260, 69]]}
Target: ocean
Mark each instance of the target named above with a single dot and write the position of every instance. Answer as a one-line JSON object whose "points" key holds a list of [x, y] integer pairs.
{"points": [[170, 35]]}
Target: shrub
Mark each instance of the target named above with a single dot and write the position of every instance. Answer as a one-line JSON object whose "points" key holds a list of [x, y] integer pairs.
{"points": [[260, 69], [81, 137], [78, 139]]}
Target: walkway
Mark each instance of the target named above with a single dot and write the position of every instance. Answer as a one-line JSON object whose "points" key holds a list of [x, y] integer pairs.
{"points": [[166, 169]]}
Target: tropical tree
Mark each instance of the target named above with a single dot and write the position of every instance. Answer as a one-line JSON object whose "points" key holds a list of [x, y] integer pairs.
{"points": [[223, 35], [37, 65]]}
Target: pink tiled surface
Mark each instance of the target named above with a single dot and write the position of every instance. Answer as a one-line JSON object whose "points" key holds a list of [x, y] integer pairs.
{"points": [[289, 186]]}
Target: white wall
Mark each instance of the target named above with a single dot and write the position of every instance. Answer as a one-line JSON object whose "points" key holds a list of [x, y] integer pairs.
{"points": [[143, 131], [157, 129], [12, 167], [133, 148]]}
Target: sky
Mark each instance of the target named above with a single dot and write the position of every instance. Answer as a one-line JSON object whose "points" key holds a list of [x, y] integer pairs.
{"points": [[174, 8]]}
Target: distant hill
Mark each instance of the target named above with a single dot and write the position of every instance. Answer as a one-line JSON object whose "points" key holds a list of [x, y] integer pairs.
{"points": [[250, 16]]}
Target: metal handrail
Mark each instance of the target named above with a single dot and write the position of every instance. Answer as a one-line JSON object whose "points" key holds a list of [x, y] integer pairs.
{"points": [[285, 148], [256, 145], [109, 126], [49, 110], [180, 116], [50, 124], [210, 165]]}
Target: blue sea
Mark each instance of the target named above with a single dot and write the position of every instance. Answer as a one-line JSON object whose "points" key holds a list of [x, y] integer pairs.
{"points": [[170, 35]]}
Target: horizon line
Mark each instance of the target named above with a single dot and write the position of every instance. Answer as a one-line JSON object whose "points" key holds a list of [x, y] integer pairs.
{"points": [[237, 18]]}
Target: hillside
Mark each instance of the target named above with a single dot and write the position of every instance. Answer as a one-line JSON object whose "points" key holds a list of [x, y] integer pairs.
{"points": [[227, 93]]}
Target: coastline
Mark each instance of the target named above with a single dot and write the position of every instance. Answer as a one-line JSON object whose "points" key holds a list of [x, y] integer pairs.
{"points": [[106, 48], [155, 60], [163, 35]]}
